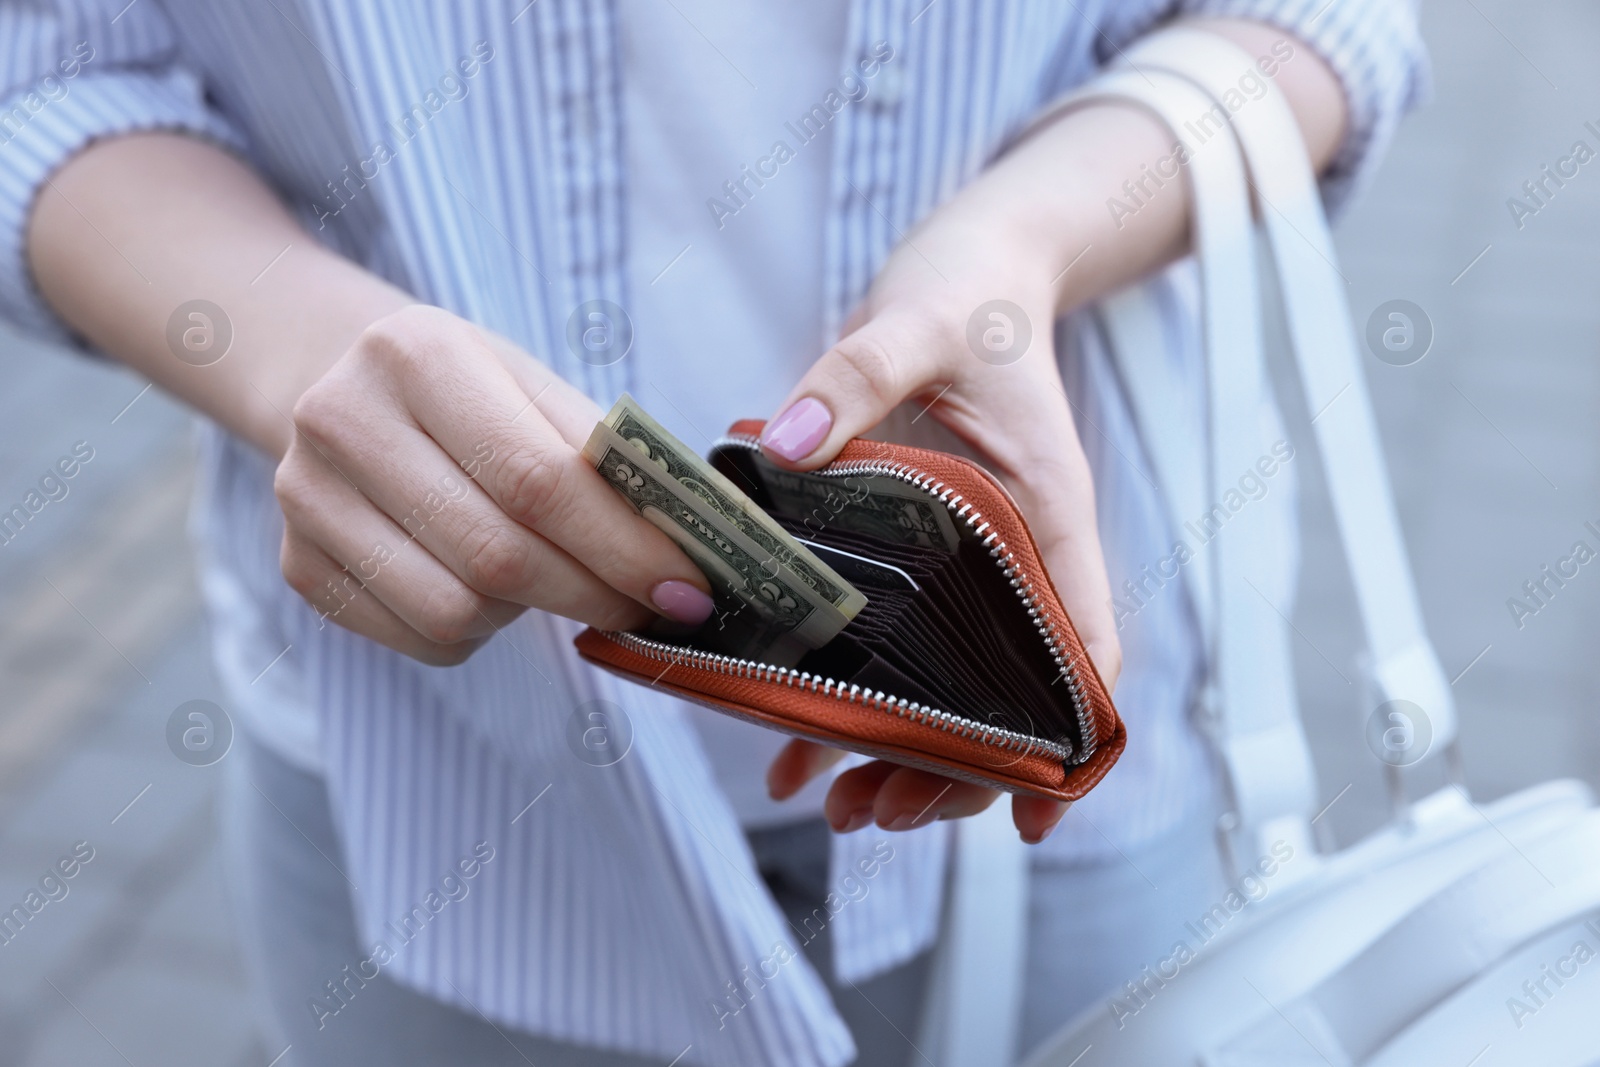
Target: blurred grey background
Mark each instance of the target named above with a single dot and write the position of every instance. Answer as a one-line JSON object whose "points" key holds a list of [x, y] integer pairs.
{"points": [[1489, 438]]}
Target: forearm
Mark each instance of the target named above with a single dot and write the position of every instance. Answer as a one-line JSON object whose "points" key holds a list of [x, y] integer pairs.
{"points": [[134, 227], [1053, 188]]}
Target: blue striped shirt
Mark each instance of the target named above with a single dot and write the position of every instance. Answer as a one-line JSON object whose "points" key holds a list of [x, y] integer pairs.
{"points": [[472, 153]]}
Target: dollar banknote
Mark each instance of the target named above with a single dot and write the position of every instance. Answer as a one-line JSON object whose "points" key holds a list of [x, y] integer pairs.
{"points": [[696, 475], [763, 610], [877, 505]]}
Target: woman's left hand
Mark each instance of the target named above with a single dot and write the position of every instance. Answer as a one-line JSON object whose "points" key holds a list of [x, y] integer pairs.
{"points": [[958, 322], [1015, 234]]}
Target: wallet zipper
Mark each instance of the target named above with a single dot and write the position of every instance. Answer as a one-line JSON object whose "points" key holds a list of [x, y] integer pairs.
{"points": [[1010, 740]]}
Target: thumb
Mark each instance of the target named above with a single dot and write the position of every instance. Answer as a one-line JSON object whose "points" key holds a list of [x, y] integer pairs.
{"points": [[848, 391]]}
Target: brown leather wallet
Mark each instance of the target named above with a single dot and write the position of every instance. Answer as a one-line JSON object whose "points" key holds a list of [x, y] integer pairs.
{"points": [[963, 661]]}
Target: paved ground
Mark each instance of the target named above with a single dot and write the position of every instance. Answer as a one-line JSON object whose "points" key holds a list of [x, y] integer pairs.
{"points": [[102, 641], [1490, 438]]}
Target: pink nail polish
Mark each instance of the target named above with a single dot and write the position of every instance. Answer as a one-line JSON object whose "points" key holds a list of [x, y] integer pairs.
{"points": [[797, 432], [681, 602]]}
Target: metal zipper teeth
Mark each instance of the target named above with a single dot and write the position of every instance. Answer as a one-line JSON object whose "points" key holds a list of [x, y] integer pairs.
{"points": [[1009, 740], [1020, 582]]}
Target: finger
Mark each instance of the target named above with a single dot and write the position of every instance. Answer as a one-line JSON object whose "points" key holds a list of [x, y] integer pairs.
{"points": [[851, 389], [454, 388], [851, 797], [403, 472], [1044, 467], [570, 411], [1076, 565], [325, 509], [1036, 817], [525, 462], [541, 484], [544, 484], [329, 588], [910, 798], [798, 763]]}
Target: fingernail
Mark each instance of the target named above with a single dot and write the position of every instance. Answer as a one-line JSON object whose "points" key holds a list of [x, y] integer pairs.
{"points": [[797, 432], [902, 822], [681, 602], [856, 821], [1026, 840]]}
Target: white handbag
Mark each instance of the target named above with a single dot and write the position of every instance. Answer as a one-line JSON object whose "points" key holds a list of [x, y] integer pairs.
{"points": [[1415, 929]]}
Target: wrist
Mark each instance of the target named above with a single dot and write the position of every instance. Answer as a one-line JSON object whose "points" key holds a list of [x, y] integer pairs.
{"points": [[305, 324], [976, 247], [1050, 191], [1010, 228], [219, 263]]}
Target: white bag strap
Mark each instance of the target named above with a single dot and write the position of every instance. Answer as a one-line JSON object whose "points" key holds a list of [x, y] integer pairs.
{"points": [[1402, 663], [1160, 397], [975, 989], [1250, 699], [1257, 729]]}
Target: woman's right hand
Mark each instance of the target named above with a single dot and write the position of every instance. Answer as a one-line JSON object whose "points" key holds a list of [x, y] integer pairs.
{"points": [[434, 491]]}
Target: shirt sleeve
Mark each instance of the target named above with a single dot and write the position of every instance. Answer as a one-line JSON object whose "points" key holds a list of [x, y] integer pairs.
{"points": [[72, 72], [1376, 51]]}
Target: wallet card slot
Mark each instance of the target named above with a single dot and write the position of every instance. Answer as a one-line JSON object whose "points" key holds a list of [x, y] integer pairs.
{"points": [[1005, 641], [885, 631], [952, 588], [980, 590], [906, 646], [849, 659], [903, 630], [991, 695]]}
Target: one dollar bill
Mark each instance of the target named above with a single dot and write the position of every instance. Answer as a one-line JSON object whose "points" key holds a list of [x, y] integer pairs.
{"points": [[878, 506], [764, 611], [730, 502]]}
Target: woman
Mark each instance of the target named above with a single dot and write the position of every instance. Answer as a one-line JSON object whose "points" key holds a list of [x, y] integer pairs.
{"points": [[402, 256]]}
